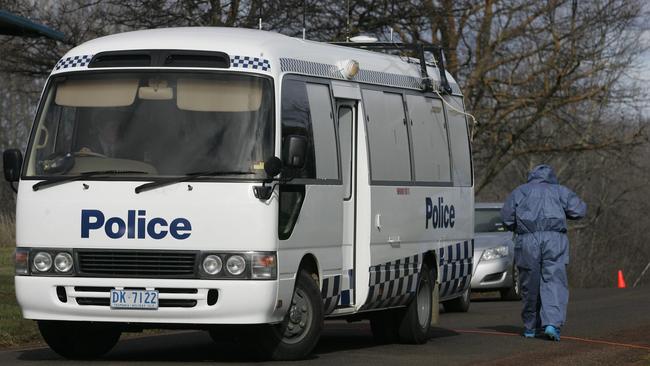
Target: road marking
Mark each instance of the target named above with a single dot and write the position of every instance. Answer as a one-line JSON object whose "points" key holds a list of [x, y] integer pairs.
{"points": [[585, 340]]}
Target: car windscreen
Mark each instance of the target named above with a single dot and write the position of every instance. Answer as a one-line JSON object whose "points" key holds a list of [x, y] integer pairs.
{"points": [[488, 220], [158, 123]]}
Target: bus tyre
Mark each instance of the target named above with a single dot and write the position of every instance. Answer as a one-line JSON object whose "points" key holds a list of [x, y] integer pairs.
{"points": [[459, 304], [79, 340], [296, 336], [414, 326]]}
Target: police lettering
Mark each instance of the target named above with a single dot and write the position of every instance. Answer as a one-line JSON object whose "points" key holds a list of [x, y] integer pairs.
{"points": [[135, 226], [440, 216]]}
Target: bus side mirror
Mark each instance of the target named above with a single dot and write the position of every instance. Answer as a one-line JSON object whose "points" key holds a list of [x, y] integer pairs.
{"points": [[273, 166], [294, 151], [12, 161]]}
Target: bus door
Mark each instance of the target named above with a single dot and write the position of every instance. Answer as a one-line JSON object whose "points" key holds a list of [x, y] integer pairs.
{"points": [[346, 110]]}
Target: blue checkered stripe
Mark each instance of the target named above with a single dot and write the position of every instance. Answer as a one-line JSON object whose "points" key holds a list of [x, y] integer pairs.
{"points": [[337, 291], [393, 283], [73, 62], [247, 62], [455, 267]]}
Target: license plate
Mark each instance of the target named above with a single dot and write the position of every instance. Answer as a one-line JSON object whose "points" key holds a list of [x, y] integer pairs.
{"points": [[134, 299]]}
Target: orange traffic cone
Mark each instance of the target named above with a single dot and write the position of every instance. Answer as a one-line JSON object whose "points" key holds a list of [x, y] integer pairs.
{"points": [[621, 280]]}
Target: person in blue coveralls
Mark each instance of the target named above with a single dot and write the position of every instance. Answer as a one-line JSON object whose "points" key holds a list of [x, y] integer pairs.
{"points": [[537, 212]]}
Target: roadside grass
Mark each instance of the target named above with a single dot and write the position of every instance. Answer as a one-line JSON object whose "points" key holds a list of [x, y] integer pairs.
{"points": [[14, 330], [7, 230]]}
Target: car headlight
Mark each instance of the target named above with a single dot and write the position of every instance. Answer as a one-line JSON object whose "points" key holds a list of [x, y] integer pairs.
{"points": [[236, 264], [42, 261], [63, 262], [495, 253], [212, 264]]}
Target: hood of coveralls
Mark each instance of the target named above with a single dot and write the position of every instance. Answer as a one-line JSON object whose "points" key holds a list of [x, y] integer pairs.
{"points": [[542, 174]]}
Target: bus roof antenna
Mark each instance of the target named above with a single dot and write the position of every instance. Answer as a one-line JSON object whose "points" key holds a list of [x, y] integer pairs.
{"points": [[304, 21], [347, 25]]}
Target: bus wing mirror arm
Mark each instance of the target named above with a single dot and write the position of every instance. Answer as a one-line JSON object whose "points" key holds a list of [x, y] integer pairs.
{"points": [[272, 167]]}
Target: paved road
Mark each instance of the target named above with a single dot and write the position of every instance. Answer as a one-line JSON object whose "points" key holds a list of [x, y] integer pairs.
{"points": [[606, 327]]}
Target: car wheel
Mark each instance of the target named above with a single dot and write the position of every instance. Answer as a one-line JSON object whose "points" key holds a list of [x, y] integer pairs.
{"points": [[296, 336], [513, 293], [459, 304], [79, 340]]}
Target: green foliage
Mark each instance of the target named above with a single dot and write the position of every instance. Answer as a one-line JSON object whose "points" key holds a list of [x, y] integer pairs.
{"points": [[14, 330], [7, 230]]}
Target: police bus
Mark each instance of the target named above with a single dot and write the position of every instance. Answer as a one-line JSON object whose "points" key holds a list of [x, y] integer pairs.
{"points": [[238, 180]]}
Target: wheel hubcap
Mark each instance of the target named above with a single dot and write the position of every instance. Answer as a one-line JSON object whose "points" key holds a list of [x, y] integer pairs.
{"points": [[300, 317], [423, 303]]}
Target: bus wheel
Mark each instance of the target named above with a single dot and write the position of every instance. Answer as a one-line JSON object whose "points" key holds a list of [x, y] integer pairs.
{"points": [[296, 336], [79, 340], [415, 325]]}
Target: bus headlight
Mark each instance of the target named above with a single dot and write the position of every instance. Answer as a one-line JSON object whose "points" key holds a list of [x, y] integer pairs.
{"points": [[63, 262], [212, 264], [21, 261], [264, 266], [250, 265], [42, 261], [236, 264]]}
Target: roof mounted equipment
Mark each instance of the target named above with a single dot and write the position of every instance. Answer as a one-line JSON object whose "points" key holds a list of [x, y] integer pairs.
{"points": [[419, 49]]}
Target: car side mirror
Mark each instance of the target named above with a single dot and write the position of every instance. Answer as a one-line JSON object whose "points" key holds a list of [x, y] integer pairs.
{"points": [[12, 161], [294, 150]]}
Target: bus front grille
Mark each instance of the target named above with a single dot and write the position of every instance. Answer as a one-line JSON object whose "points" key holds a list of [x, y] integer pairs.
{"points": [[138, 264]]}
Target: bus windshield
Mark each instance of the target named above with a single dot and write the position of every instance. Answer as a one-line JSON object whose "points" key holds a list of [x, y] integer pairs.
{"points": [[154, 124]]}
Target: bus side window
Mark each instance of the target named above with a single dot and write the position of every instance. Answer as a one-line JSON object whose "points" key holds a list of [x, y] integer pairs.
{"points": [[388, 136], [322, 123], [430, 144], [346, 122], [460, 151], [296, 120]]}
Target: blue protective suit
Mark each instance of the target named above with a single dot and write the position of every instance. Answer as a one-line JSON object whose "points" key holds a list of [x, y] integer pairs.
{"points": [[537, 212]]}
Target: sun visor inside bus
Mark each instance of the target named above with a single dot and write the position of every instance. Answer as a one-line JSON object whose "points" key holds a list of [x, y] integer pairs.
{"points": [[160, 58], [96, 93], [218, 95]]}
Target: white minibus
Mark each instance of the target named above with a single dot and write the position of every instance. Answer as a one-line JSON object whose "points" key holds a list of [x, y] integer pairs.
{"points": [[242, 182]]}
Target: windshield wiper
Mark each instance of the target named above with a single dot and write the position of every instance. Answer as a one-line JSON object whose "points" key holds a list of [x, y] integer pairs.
{"points": [[71, 178], [186, 178]]}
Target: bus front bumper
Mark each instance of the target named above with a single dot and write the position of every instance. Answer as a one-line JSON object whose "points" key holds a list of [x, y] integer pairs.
{"points": [[180, 301]]}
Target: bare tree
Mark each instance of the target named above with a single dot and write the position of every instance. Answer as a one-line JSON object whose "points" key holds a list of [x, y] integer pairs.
{"points": [[546, 80]]}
